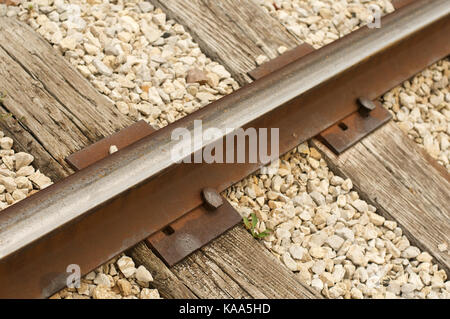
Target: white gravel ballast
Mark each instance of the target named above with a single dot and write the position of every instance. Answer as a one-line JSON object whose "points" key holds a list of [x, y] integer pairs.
{"points": [[421, 107], [117, 279], [18, 178], [321, 22], [147, 65], [333, 240]]}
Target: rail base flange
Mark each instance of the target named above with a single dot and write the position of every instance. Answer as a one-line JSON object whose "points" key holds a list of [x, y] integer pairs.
{"points": [[346, 133]]}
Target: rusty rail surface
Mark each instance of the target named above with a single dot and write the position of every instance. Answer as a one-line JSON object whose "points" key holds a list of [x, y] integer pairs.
{"points": [[113, 204]]}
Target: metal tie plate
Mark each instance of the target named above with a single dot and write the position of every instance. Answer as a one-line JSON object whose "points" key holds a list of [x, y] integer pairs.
{"points": [[370, 115], [346, 133], [188, 233]]}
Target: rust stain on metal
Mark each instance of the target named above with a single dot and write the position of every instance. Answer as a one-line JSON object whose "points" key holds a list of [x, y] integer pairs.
{"points": [[354, 127], [365, 106], [99, 150], [99, 234], [193, 231], [401, 3]]}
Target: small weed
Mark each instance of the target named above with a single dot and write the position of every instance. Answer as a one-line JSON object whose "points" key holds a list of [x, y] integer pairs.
{"points": [[2, 96], [4, 116], [251, 224], [30, 7]]}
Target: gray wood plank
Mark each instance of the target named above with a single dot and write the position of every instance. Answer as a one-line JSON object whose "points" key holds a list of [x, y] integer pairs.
{"points": [[168, 285], [238, 266], [52, 111], [67, 120], [60, 107], [231, 32], [390, 172]]}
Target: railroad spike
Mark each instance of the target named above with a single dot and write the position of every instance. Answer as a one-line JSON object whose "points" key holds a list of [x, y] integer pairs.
{"points": [[365, 106], [212, 198]]}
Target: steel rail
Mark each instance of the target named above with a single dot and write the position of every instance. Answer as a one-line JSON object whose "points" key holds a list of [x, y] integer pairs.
{"points": [[25, 226]]}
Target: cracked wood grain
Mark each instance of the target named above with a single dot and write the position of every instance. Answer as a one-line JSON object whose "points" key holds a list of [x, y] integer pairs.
{"points": [[231, 32], [51, 111]]}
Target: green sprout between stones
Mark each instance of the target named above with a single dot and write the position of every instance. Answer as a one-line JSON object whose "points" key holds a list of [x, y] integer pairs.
{"points": [[2, 96], [4, 116], [251, 225]]}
